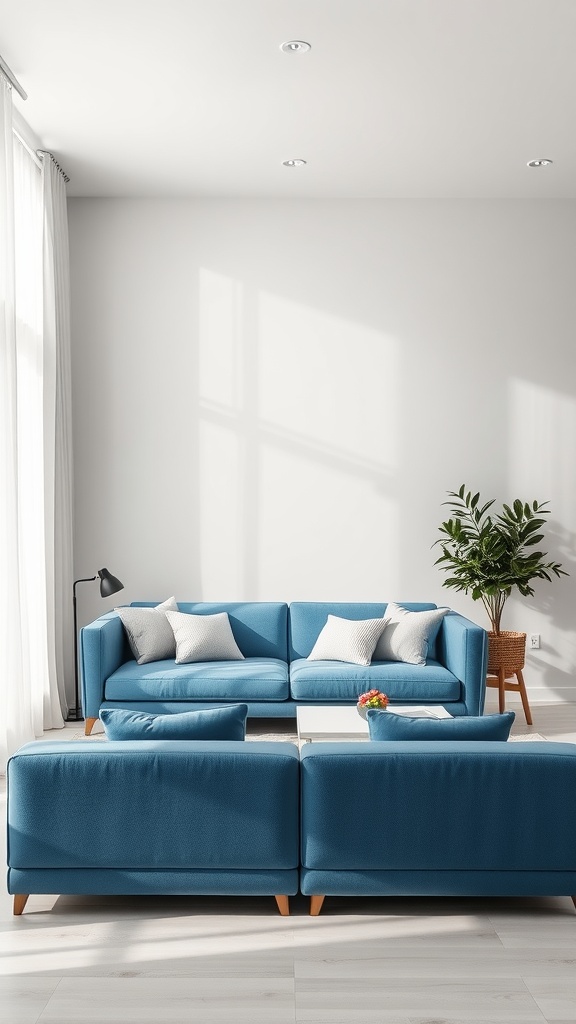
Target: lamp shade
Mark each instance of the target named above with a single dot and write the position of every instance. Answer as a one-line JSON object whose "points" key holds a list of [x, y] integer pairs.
{"points": [[109, 584]]}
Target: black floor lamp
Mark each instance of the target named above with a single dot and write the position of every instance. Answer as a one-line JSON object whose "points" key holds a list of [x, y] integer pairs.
{"points": [[109, 585]]}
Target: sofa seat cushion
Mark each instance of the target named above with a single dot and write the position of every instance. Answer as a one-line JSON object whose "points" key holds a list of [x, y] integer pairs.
{"points": [[329, 680], [261, 679]]}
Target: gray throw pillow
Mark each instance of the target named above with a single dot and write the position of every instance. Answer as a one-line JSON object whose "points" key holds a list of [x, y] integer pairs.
{"points": [[408, 635], [149, 633], [203, 637], [351, 640]]}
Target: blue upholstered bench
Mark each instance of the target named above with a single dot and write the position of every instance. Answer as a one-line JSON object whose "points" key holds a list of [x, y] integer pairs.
{"points": [[438, 818], [204, 817], [153, 817]]}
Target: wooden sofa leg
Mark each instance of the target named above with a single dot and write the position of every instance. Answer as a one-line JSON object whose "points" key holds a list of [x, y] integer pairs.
{"points": [[90, 723], [574, 901], [316, 905], [283, 905], [20, 901]]}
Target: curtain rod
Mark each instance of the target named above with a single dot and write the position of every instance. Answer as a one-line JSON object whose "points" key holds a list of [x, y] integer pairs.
{"points": [[31, 152], [46, 153], [12, 79]]}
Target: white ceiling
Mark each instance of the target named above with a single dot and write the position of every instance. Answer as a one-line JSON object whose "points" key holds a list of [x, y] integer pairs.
{"points": [[396, 98]]}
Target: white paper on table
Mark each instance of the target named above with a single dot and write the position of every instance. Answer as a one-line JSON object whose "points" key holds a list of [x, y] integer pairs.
{"points": [[420, 711]]}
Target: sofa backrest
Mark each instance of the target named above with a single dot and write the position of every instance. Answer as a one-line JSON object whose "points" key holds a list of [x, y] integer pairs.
{"points": [[260, 628], [307, 618], [439, 806], [167, 804]]}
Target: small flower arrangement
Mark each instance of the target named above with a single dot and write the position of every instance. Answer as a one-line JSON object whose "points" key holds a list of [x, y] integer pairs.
{"points": [[372, 699]]}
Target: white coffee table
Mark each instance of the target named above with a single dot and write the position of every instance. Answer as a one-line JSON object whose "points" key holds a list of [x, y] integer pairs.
{"points": [[344, 723]]}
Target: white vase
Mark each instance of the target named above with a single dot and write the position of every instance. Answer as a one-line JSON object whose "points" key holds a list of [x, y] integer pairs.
{"points": [[362, 709]]}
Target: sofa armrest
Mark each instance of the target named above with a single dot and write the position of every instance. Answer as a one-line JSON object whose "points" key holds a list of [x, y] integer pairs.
{"points": [[102, 650], [462, 647]]}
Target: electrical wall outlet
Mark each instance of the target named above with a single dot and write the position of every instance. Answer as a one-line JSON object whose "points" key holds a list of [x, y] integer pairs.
{"points": [[534, 641]]}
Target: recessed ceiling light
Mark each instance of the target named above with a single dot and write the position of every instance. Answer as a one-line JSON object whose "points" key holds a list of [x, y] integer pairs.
{"points": [[293, 163], [295, 46], [545, 162]]}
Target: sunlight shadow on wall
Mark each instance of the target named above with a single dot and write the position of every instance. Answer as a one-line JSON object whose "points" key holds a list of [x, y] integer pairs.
{"points": [[542, 439], [327, 401], [298, 414], [542, 443], [221, 340], [222, 444]]}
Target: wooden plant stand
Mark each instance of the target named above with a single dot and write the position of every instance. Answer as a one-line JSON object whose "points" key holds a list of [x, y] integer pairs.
{"points": [[503, 682], [506, 653]]}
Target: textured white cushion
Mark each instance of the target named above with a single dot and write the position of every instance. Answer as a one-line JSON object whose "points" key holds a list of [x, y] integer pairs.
{"points": [[408, 634], [203, 637], [350, 640], [148, 631]]}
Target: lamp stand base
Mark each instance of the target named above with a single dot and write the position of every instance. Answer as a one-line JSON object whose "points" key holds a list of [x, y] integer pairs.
{"points": [[74, 715]]}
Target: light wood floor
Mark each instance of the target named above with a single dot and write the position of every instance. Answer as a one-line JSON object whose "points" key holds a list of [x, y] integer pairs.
{"points": [[230, 960]]}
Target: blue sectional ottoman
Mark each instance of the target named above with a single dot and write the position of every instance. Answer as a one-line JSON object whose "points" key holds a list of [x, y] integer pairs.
{"points": [[153, 817], [204, 817], [438, 818]]}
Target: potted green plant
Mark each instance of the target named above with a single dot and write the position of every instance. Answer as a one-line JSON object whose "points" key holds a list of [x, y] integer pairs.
{"points": [[488, 556]]}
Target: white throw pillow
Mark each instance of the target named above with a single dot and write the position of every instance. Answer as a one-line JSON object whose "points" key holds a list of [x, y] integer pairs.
{"points": [[148, 631], [350, 640], [203, 637], [408, 635]]}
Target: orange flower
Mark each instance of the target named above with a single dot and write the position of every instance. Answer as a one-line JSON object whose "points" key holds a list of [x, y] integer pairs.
{"points": [[373, 699]]}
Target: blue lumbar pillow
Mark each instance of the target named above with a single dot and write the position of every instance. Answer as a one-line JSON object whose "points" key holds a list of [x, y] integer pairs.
{"points": [[385, 725], [227, 723]]}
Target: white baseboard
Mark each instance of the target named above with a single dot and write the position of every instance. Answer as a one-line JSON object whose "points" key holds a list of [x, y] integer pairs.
{"points": [[536, 695]]}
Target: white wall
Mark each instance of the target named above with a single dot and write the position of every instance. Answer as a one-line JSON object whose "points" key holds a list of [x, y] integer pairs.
{"points": [[271, 399]]}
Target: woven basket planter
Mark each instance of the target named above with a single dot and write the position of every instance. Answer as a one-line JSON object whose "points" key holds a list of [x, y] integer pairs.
{"points": [[506, 650]]}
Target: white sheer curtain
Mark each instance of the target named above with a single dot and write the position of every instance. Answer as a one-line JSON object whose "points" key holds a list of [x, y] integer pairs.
{"points": [[15, 707], [34, 415], [58, 432]]}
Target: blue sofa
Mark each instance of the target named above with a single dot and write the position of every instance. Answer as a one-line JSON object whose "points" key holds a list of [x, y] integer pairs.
{"points": [[275, 676], [377, 819], [438, 818], [151, 817]]}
